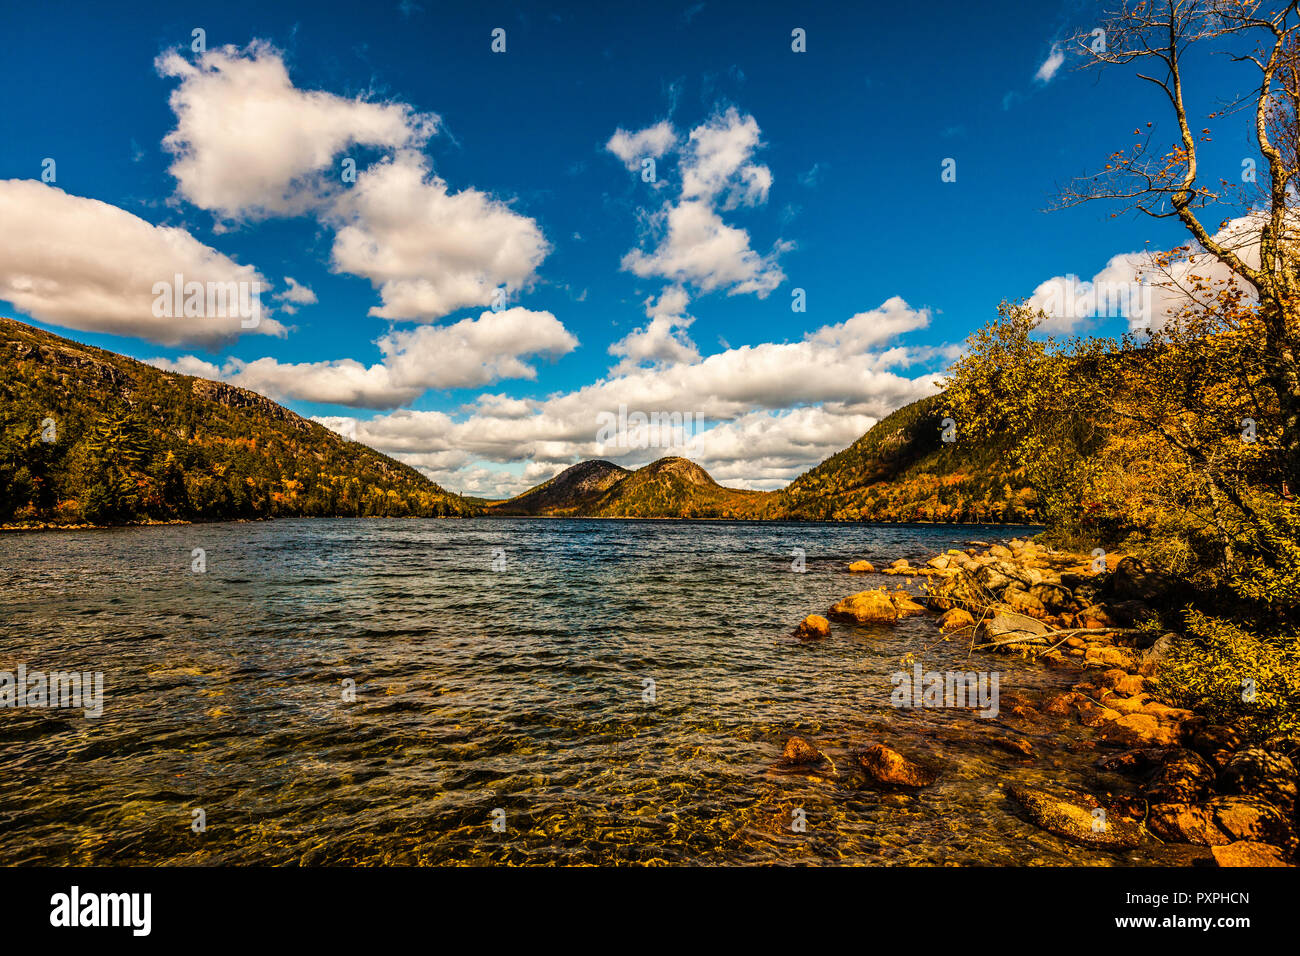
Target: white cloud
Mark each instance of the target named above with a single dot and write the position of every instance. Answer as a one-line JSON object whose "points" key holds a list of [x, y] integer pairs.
{"points": [[664, 338], [187, 365], [716, 163], [294, 295], [650, 143], [296, 292], [467, 354], [428, 250], [700, 249], [248, 144], [1133, 286], [694, 245], [84, 264], [771, 410], [1049, 66]]}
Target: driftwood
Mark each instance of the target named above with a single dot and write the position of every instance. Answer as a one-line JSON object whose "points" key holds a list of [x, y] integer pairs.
{"points": [[1063, 635]]}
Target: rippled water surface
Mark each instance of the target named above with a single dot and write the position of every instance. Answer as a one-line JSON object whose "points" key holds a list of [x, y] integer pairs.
{"points": [[520, 690]]}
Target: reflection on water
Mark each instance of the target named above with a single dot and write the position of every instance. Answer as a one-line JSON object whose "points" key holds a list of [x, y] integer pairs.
{"points": [[520, 690]]}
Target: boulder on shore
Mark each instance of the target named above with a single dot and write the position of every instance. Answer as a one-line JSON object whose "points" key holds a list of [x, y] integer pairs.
{"points": [[1003, 623], [905, 605], [813, 627], [1139, 730], [1220, 821], [1183, 777], [1245, 853], [955, 619], [1023, 602], [1256, 772], [891, 768], [867, 607]]}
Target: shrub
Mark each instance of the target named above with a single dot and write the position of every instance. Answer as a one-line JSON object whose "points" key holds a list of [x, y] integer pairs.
{"points": [[1211, 670]]}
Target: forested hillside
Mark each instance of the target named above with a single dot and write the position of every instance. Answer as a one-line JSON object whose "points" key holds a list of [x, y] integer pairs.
{"points": [[88, 436], [903, 470]]}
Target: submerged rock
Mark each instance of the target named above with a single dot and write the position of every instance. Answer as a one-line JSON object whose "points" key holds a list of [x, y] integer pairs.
{"points": [[1135, 760], [893, 769], [1074, 822], [812, 627], [799, 753], [1015, 745]]}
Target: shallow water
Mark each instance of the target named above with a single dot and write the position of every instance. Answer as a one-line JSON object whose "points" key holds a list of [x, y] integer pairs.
{"points": [[520, 690]]}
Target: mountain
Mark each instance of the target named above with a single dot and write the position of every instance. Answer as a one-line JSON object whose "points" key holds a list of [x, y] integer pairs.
{"points": [[568, 492], [900, 470], [903, 470], [667, 488], [87, 435]]}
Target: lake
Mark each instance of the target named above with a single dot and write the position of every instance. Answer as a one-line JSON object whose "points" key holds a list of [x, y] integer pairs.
{"points": [[523, 691]]}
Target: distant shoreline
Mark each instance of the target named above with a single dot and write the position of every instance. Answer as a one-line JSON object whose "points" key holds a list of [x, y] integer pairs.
{"points": [[47, 526]]}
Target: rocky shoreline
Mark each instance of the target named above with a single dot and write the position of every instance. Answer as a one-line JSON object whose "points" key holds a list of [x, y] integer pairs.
{"points": [[1093, 617]]}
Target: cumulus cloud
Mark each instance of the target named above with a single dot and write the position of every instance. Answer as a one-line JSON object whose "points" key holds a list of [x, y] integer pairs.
{"points": [[1132, 286], [84, 264], [296, 292], [716, 162], [431, 251], [693, 245], [248, 144], [650, 143], [294, 295], [187, 365], [467, 354], [664, 339], [770, 410], [700, 249]]}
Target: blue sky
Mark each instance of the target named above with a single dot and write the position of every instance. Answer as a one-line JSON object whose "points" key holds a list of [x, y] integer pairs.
{"points": [[775, 170]]}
